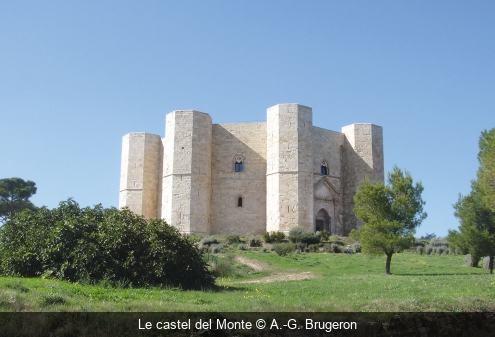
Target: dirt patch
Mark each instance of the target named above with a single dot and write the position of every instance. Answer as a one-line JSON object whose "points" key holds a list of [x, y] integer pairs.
{"points": [[256, 265], [278, 277]]}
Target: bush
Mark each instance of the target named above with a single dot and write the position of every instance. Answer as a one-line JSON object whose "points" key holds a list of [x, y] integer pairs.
{"points": [[312, 248], [241, 246], [308, 238], [232, 239], [327, 248], [440, 250], [253, 242], [420, 249], [447, 251], [486, 262], [335, 248], [96, 244], [216, 248], [428, 250], [208, 241], [357, 247], [324, 235], [471, 261], [273, 237], [295, 233], [283, 249]]}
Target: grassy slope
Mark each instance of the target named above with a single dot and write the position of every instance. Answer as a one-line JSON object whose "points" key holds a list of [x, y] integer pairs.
{"points": [[345, 283]]}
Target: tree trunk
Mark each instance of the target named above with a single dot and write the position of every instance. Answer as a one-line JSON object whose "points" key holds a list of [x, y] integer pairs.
{"points": [[387, 266], [490, 265]]}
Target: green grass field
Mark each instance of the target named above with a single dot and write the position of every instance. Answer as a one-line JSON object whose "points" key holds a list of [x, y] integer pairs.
{"points": [[340, 282]]}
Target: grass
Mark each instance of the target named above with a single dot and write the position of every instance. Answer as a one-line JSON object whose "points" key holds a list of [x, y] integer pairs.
{"points": [[344, 283]]}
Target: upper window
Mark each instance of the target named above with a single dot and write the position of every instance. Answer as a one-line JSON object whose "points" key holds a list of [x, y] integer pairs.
{"points": [[324, 168], [239, 165], [239, 202]]}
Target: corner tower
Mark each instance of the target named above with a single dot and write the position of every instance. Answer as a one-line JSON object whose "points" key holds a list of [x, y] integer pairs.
{"points": [[186, 192], [139, 173], [362, 158], [289, 177]]}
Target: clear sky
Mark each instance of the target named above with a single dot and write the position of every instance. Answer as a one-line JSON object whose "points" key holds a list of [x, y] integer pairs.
{"points": [[77, 76]]}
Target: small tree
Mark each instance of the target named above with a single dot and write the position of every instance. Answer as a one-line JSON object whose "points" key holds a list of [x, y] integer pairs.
{"points": [[486, 171], [390, 214], [14, 197]]}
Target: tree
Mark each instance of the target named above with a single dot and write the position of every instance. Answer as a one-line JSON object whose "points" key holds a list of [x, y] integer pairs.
{"points": [[14, 196], [390, 214], [486, 171], [476, 211]]}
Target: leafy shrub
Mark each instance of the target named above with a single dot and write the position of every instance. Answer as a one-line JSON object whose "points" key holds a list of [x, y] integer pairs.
{"points": [[323, 235], [447, 251], [327, 248], [295, 233], [357, 247], [439, 242], [348, 250], [471, 261], [264, 249], [232, 239], [440, 250], [301, 246], [312, 248], [253, 242], [335, 248], [73, 243], [428, 250], [270, 237], [216, 248], [308, 238], [208, 241], [420, 249], [241, 246], [283, 249]]}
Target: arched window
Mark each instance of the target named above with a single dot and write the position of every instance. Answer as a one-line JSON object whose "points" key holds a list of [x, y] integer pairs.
{"points": [[239, 202], [324, 168], [239, 164]]}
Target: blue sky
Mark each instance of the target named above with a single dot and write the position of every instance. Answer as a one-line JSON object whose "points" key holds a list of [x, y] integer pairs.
{"points": [[76, 76]]}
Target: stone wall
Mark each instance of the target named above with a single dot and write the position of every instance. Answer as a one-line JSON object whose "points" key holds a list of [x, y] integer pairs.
{"points": [[362, 158], [289, 167], [186, 183], [139, 177], [247, 141]]}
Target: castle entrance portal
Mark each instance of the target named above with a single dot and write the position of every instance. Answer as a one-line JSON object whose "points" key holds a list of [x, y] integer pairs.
{"points": [[322, 221]]}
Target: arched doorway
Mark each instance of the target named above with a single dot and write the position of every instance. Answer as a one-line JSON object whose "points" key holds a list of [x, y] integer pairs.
{"points": [[322, 221]]}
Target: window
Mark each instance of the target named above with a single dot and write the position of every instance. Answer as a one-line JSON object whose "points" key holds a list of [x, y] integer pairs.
{"points": [[239, 165], [239, 202], [324, 168]]}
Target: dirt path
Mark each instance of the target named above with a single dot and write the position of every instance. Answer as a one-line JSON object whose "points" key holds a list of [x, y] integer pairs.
{"points": [[277, 277]]}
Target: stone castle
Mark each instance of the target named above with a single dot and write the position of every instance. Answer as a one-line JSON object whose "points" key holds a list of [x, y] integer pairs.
{"points": [[246, 178]]}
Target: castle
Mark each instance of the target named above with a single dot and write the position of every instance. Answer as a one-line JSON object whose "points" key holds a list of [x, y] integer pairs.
{"points": [[246, 178]]}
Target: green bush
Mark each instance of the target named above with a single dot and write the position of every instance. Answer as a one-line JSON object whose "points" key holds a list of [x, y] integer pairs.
{"points": [[312, 248], [283, 249], [428, 250], [270, 237], [241, 246], [253, 242], [357, 247], [73, 244], [420, 249], [308, 238], [232, 239], [327, 248], [335, 248], [216, 248], [471, 261], [323, 235]]}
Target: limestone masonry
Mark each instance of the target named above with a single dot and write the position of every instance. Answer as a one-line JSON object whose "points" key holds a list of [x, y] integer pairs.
{"points": [[246, 178]]}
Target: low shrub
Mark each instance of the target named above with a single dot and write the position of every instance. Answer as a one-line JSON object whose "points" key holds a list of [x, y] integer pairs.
{"points": [[420, 249], [323, 235], [270, 237], [471, 261], [241, 246], [428, 250], [312, 248], [283, 249], [308, 238], [440, 250], [327, 248], [447, 251], [486, 262], [335, 248], [253, 242], [208, 241], [357, 247], [232, 239], [216, 248]]}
